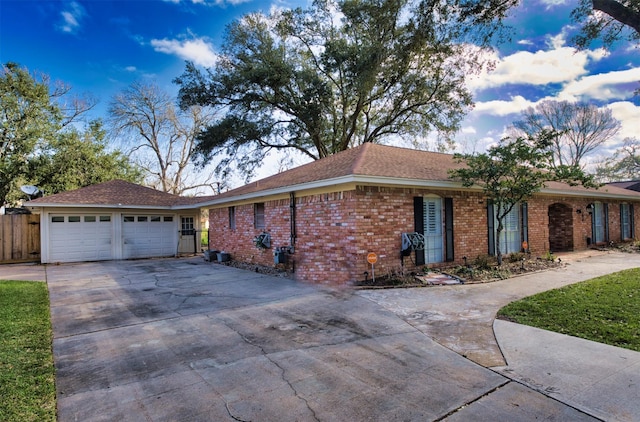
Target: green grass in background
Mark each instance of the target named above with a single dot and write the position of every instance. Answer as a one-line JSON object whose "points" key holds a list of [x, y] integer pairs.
{"points": [[604, 309]]}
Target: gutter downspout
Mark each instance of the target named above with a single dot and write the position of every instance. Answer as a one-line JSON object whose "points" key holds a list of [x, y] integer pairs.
{"points": [[292, 218]]}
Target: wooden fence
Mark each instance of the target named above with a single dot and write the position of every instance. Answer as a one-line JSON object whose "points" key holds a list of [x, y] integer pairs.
{"points": [[19, 238]]}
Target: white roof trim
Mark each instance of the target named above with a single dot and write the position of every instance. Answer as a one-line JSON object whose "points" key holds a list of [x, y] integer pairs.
{"points": [[342, 180], [116, 206]]}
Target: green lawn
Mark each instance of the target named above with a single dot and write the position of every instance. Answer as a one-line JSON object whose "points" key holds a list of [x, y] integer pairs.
{"points": [[605, 309], [27, 388]]}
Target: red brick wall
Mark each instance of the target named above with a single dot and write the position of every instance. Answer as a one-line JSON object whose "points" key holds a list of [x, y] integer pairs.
{"points": [[336, 231]]}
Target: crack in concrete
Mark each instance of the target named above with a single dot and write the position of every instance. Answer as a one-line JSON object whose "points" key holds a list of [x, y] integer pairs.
{"points": [[470, 402], [282, 372]]}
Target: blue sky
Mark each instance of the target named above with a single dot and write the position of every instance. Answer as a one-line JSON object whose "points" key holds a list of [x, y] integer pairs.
{"points": [[100, 47]]}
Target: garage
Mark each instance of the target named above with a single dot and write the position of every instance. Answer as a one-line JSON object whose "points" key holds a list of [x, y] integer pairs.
{"points": [[74, 237], [148, 236], [114, 220]]}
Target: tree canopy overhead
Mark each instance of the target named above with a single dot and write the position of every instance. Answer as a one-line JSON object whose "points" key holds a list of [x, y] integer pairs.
{"points": [[328, 78], [40, 146]]}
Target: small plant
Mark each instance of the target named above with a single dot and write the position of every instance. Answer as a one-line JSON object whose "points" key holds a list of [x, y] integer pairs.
{"points": [[516, 257], [549, 256], [482, 262]]}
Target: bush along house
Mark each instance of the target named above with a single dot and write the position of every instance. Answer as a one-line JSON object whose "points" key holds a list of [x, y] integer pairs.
{"points": [[322, 219]]}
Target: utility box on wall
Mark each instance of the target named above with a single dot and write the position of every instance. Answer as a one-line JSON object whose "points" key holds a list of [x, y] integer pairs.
{"points": [[279, 256]]}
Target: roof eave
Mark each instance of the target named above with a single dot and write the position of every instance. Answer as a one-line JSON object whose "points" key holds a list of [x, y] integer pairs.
{"points": [[342, 180], [105, 206], [589, 193]]}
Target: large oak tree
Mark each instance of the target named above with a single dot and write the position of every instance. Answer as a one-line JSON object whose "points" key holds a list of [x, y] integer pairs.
{"points": [[327, 78]]}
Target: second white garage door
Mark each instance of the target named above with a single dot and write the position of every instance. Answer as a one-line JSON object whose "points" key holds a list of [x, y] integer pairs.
{"points": [[146, 236]]}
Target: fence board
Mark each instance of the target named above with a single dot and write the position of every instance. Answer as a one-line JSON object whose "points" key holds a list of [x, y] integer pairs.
{"points": [[19, 238]]}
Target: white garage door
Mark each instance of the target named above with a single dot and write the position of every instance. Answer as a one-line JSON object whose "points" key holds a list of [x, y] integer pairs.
{"points": [[146, 236], [80, 237]]}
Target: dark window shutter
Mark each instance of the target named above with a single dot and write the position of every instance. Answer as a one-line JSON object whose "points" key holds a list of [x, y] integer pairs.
{"points": [[448, 228], [605, 211], [621, 206], [418, 219], [593, 224], [491, 232], [631, 222], [525, 222]]}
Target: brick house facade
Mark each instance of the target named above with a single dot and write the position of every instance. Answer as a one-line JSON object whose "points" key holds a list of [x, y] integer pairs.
{"points": [[329, 214]]}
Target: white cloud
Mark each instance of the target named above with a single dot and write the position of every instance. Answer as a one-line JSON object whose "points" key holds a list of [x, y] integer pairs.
{"points": [[629, 114], [552, 3], [130, 69], [503, 108], [617, 85], [559, 65], [72, 17], [196, 50]]}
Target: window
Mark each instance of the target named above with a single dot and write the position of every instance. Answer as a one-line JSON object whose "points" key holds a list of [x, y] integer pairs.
{"points": [[626, 222], [258, 215], [155, 218], [89, 218], [433, 240], [514, 228], [74, 219], [232, 218], [510, 236], [105, 218], [129, 219], [142, 218], [168, 219], [599, 222], [57, 219], [186, 224]]}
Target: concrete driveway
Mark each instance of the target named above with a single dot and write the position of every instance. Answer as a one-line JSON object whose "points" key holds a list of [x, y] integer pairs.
{"points": [[187, 340]]}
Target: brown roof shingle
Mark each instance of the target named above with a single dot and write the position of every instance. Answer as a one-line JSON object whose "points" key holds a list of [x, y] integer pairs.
{"points": [[367, 160], [114, 192]]}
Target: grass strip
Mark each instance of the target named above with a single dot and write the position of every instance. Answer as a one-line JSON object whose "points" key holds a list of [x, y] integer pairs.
{"points": [[27, 374], [604, 309]]}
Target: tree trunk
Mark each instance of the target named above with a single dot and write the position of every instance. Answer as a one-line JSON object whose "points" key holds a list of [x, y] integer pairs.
{"points": [[619, 12]]}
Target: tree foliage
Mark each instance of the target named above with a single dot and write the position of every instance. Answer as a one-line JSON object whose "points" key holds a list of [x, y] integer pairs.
{"points": [[38, 142], [76, 159], [28, 117], [606, 20], [327, 78], [623, 165], [580, 128], [512, 171], [161, 137]]}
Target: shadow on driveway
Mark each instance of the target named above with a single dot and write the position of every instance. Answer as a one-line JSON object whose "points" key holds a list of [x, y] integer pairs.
{"points": [[184, 339]]}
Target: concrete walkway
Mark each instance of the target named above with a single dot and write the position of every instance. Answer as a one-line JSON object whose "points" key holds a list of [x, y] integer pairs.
{"points": [[183, 339], [603, 381]]}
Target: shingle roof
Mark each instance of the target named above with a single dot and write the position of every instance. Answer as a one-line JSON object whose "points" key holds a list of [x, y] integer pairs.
{"points": [[377, 161], [365, 162], [631, 185], [112, 193]]}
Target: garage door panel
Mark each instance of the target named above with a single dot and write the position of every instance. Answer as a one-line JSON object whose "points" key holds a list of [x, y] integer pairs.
{"points": [[148, 236], [74, 238]]}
